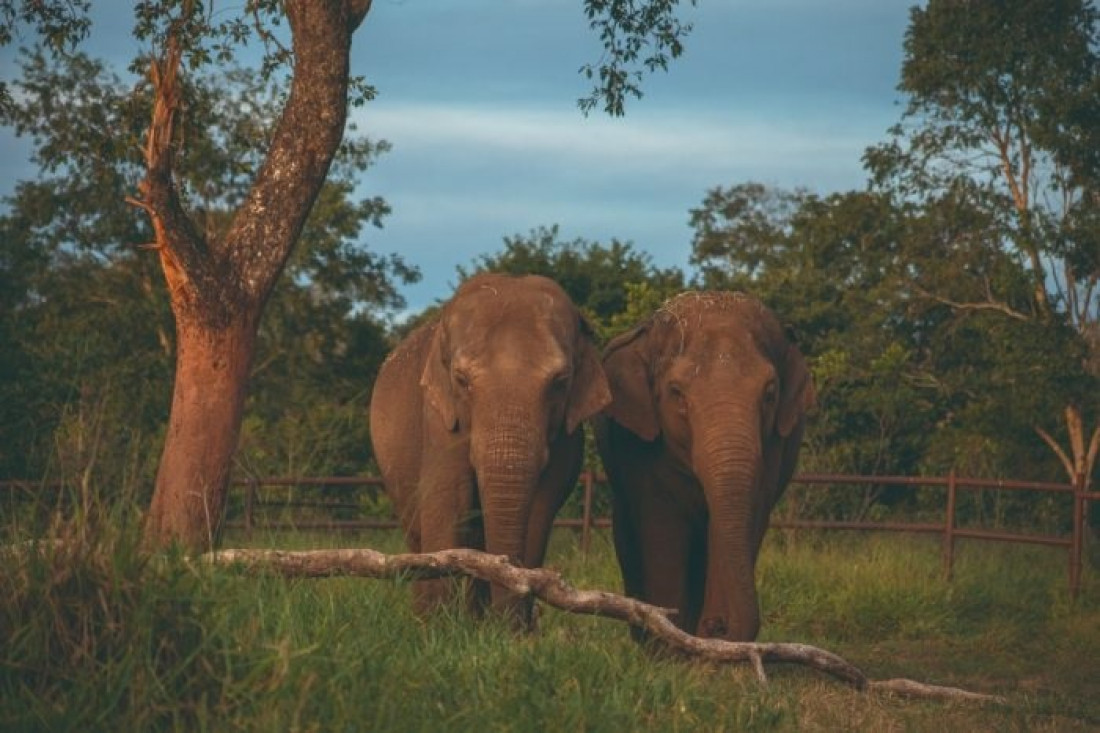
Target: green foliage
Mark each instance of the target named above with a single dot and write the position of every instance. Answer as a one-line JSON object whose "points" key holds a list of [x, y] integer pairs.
{"points": [[86, 321], [610, 283], [995, 158], [62, 25], [211, 36], [975, 68], [643, 299], [637, 38]]}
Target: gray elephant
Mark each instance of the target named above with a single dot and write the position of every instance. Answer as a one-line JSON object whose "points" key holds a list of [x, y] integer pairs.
{"points": [[709, 398], [476, 422]]}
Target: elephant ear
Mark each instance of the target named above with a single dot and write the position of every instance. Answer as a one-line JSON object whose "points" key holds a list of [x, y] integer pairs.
{"points": [[590, 392], [798, 395], [627, 367], [435, 380]]}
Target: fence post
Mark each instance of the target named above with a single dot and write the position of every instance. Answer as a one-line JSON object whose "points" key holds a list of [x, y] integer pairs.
{"points": [[249, 502], [1078, 541], [949, 527], [586, 521]]}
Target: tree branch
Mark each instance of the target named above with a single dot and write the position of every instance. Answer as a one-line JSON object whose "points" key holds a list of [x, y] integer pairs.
{"points": [[183, 252], [1002, 141], [1067, 462], [550, 587], [989, 305], [305, 139], [357, 11], [1090, 458], [1076, 431]]}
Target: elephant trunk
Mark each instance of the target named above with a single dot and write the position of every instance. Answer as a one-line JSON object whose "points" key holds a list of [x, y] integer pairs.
{"points": [[508, 461], [727, 458]]}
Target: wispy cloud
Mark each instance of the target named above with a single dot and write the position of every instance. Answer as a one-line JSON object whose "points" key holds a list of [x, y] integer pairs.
{"points": [[463, 175], [643, 141]]}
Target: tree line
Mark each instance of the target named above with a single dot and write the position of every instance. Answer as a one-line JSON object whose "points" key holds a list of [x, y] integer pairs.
{"points": [[949, 308]]}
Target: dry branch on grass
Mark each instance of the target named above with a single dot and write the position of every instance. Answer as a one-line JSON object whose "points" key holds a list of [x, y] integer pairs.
{"points": [[551, 588]]}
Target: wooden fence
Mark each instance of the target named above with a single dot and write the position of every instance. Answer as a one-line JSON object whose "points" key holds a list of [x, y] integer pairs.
{"points": [[257, 498], [948, 528]]}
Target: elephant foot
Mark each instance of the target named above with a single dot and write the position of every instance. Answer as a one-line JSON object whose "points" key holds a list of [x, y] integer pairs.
{"points": [[714, 627]]}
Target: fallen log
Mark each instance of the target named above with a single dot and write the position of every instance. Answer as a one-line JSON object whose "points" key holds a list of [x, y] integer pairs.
{"points": [[550, 587]]}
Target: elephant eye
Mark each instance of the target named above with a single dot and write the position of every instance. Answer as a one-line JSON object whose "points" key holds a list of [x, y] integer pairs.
{"points": [[559, 381], [771, 392], [676, 390], [462, 379]]}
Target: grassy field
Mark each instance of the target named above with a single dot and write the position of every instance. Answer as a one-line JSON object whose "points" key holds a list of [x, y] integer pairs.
{"points": [[98, 639]]}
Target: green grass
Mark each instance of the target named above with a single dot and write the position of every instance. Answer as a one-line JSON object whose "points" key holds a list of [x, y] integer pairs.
{"points": [[96, 638]]}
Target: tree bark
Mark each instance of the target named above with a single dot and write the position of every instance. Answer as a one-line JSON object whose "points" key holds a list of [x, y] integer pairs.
{"points": [[218, 288], [554, 590], [212, 367]]}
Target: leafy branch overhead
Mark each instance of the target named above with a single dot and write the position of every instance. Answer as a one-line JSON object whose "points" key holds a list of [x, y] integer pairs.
{"points": [[215, 38], [638, 37], [62, 24]]}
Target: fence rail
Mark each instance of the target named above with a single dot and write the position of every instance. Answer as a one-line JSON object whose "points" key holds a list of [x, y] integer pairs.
{"points": [[255, 488]]}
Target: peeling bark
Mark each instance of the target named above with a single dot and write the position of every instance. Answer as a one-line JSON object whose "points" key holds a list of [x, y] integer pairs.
{"points": [[552, 588]]}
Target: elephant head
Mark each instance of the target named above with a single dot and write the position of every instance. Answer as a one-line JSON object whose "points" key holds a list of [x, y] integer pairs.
{"points": [[512, 370], [714, 387]]}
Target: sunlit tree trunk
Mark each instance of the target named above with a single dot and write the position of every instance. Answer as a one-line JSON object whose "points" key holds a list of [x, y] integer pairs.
{"points": [[219, 287]]}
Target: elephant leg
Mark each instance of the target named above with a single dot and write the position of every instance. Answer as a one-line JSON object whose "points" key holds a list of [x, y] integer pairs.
{"points": [[407, 510], [625, 533], [401, 477], [628, 552], [554, 486], [663, 551], [446, 509], [477, 592]]}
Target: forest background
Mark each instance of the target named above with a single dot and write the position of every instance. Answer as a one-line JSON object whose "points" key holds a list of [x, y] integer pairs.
{"points": [[949, 307]]}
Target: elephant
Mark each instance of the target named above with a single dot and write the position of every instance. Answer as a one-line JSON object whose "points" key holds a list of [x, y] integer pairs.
{"points": [[476, 420], [709, 403]]}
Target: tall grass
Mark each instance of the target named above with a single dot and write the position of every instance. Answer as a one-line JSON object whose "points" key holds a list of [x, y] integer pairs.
{"points": [[94, 636]]}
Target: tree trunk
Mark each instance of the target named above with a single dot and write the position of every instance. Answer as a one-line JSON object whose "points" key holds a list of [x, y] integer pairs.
{"points": [[219, 288], [207, 404]]}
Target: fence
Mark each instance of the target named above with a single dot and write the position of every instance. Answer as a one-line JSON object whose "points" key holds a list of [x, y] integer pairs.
{"points": [[255, 489], [948, 527]]}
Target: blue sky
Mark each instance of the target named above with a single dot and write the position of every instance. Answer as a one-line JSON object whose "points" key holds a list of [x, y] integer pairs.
{"points": [[478, 99]]}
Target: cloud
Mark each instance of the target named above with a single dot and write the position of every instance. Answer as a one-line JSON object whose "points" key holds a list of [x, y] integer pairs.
{"points": [[655, 141], [463, 175]]}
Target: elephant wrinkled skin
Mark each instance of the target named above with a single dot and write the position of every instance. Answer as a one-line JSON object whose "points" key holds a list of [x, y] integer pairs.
{"points": [[708, 408], [476, 424]]}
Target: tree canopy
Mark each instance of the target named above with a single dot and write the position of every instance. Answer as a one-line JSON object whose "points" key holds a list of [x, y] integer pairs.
{"points": [[614, 284], [86, 320], [997, 145]]}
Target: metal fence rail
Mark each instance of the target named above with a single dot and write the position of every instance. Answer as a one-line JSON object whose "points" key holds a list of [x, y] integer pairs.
{"points": [[256, 489]]}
